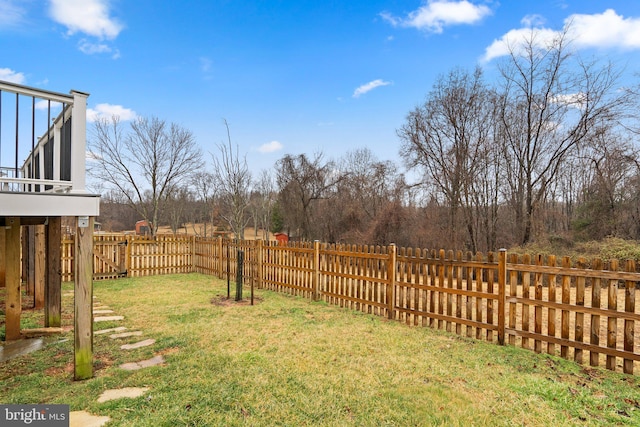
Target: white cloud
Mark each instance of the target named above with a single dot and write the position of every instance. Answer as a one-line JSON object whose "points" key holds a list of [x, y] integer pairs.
{"points": [[11, 15], [601, 30], [270, 147], [107, 111], [90, 48], [369, 87], [437, 14], [530, 21], [43, 104], [90, 17], [515, 40], [8, 75], [607, 29], [576, 100]]}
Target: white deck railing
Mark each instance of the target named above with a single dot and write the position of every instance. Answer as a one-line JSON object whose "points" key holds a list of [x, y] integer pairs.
{"points": [[52, 162]]}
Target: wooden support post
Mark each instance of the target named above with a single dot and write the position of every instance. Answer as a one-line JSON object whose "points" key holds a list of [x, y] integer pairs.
{"points": [[24, 248], [83, 291], [502, 285], [39, 267], [3, 257], [28, 256], [391, 285], [316, 270], [13, 301], [53, 280]]}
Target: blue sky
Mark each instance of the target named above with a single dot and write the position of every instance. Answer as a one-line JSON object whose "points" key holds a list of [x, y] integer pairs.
{"points": [[289, 76]]}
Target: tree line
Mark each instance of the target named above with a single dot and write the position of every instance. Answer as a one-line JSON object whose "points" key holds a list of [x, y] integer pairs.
{"points": [[548, 147]]}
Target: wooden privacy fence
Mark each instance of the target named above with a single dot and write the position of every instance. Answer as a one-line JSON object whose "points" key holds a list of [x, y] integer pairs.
{"points": [[118, 255], [544, 305]]}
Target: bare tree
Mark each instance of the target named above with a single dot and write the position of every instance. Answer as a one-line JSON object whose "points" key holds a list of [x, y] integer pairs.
{"points": [[146, 163], [115, 213], [263, 202], [551, 101], [609, 194], [178, 206], [368, 188], [233, 179], [303, 181], [205, 189], [447, 140]]}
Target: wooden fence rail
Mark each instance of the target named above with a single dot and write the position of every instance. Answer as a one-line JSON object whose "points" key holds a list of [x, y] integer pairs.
{"points": [[544, 305]]}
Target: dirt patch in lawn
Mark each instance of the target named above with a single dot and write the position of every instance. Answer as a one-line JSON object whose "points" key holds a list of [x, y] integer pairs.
{"points": [[223, 301]]}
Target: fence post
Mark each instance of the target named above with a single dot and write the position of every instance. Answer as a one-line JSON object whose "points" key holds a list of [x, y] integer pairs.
{"points": [[629, 324], [228, 269], [193, 253], [127, 255], [502, 285], [220, 258], [316, 270], [260, 261], [391, 285]]}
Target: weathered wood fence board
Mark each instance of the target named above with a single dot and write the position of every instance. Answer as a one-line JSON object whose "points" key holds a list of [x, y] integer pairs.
{"points": [[584, 320], [545, 305]]}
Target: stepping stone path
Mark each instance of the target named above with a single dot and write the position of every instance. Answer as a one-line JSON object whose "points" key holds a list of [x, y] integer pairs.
{"points": [[84, 419], [106, 331], [125, 335], [107, 318], [134, 366], [128, 392], [138, 344]]}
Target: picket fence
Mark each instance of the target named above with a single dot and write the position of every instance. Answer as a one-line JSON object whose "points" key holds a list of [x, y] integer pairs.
{"points": [[544, 305]]}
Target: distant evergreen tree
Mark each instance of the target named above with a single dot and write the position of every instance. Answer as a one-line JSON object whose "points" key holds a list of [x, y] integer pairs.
{"points": [[277, 221]]}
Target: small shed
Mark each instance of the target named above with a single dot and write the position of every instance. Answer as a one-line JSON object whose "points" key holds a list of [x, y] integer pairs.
{"points": [[282, 238], [143, 228]]}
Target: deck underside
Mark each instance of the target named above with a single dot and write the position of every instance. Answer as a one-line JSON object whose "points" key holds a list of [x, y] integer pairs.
{"points": [[48, 204]]}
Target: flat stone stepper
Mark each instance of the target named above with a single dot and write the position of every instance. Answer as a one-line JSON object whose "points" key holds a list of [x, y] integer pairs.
{"points": [[126, 335], [138, 344], [156, 360], [119, 393], [107, 318], [106, 331]]}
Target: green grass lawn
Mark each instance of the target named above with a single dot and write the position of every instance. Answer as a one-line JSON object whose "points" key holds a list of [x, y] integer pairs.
{"points": [[291, 362]]}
